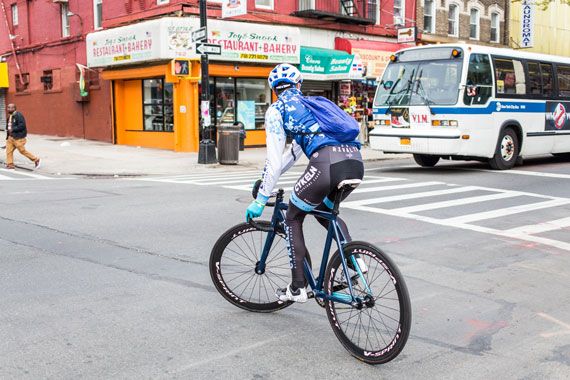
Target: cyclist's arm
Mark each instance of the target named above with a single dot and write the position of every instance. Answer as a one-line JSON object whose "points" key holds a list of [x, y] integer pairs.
{"points": [[291, 156], [275, 139]]}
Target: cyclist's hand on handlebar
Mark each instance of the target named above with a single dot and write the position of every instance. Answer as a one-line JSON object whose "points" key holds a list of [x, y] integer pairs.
{"points": [[254, 210]]}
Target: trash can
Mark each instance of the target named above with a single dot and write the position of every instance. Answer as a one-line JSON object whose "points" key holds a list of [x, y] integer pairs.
{"points": [[242, 135], [228, 144]]}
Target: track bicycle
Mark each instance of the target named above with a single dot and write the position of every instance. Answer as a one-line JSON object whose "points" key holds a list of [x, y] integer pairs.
{"points": [[364, 294]]}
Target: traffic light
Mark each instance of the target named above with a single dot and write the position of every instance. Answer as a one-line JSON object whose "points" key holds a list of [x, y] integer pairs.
{"points": [[181, 67]]}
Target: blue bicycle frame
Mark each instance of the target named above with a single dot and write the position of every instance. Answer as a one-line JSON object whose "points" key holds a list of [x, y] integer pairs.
{"points": [[334, 232]]}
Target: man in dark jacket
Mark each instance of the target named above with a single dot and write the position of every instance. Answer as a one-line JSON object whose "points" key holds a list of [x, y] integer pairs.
{"points": [[16, 133]]}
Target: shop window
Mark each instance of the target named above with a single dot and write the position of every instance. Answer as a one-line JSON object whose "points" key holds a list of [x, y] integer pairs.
{"points": [[479, 79], [429, 16], [453, 20], [158, 107], [14, 8], [495, 25], [474, 24], [22, 83], [240, 100], [509, 76], [563, 80]]}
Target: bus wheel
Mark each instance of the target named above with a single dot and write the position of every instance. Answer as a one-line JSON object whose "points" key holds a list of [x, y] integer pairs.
{"points": [[425, 160], [507, 151]]}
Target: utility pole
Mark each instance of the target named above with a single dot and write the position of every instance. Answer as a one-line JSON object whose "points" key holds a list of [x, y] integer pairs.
{"points": [[207, 150]]}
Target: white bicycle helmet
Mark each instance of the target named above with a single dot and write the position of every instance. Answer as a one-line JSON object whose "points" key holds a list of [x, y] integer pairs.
{"points": [[284, 73]]}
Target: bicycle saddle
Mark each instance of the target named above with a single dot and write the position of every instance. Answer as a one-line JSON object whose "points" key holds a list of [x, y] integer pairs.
{"points": [[349, 182]]}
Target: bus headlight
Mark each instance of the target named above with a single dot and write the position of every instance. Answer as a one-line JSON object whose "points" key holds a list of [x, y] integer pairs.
{"points": [[444, 123]]}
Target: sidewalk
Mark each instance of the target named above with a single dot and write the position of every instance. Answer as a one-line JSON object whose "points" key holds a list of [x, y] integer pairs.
{"points": [[65, 156]]}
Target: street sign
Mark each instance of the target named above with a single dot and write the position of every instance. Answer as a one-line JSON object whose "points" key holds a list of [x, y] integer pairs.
{"points": [[208, 49], [407, 34], [199, 34]]}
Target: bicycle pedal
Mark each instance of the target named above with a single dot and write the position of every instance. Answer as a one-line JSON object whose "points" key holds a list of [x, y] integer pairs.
{"points": [[310, 294]]}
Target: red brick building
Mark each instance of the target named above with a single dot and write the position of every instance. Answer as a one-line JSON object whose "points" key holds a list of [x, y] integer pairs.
{"points": [[43, 41]]}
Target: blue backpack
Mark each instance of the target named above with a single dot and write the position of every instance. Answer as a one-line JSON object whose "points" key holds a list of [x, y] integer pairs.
{"points": [[334, 122]]}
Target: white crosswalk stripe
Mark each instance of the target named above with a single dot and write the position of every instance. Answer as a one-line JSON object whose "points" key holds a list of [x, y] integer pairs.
{"points": [[20, 175], [379, 194]]}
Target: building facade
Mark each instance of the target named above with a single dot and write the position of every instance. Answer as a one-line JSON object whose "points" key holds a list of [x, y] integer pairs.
{"points": [[470, 21], [106, 71], [548, 28]]}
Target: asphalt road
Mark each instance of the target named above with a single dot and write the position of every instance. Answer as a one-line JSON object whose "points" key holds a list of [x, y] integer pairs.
{"points": [[108, 277]]}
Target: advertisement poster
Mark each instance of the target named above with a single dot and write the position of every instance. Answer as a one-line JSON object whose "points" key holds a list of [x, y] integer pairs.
{"points": [[246, 113], [232, 8], [557, 116]]}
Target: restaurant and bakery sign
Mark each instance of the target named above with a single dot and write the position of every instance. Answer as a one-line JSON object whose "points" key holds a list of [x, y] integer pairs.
{"points": [[171, 37]]}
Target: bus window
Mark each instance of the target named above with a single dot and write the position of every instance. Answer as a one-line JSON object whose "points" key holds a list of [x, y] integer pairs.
{"points": [[509, 76], [479, 76], [564, 80], [534, 80], [547, 87]]}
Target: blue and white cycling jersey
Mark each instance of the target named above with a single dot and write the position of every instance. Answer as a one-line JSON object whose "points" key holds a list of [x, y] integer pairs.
{"points": [[288, 116]]}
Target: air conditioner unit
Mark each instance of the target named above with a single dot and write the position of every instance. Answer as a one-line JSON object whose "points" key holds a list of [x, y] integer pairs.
{"points": [[60, 1]]}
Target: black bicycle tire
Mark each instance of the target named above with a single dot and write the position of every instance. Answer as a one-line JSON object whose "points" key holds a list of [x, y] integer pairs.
{"points": [[217, 275], [393, 349]]}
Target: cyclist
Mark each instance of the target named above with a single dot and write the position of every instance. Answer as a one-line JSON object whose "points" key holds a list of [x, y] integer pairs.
{"points": [[330, 162]]}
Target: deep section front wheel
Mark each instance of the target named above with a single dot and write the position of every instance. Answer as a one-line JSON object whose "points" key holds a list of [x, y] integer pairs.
{"points": [[377, 329], [233, 267]]}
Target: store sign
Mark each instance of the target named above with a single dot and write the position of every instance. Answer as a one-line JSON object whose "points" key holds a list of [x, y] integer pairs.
{"points": [[171, 37], [165, 38], [255, 42], [407, 35], [325, 64], [527, 24], [374, 60], [232, 8]]}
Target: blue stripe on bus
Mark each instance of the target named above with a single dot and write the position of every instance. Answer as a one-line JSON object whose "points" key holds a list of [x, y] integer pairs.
{"points": [[493, 107]]}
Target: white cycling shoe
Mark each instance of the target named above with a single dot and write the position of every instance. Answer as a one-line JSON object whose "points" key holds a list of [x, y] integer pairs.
{"points": [[299, 295]]}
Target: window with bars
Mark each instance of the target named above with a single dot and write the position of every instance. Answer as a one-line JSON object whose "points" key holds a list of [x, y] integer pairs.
{"points": [[158, 107]]}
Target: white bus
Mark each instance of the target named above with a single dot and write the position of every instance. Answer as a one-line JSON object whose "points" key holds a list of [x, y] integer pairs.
{"points": [[458, 101]]}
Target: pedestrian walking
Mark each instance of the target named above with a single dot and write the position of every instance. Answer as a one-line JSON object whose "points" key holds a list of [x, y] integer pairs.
{"points": [[16, 133]]}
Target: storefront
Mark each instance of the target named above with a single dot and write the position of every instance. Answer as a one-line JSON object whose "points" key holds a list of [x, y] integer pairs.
{"points": [[372, 57], [153, 107], [323, 69]]}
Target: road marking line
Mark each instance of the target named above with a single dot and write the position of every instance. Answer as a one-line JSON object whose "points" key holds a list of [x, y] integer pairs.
{"points": [[19, 173], [455, 202], [360, 190], [508, 211], [410, 196], [248, 179], [552, 225], [472, 227], [556, 321], [526, 172], [6, 178]]}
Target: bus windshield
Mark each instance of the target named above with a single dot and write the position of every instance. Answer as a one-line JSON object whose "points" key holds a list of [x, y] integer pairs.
{"points": [[420, 83]]}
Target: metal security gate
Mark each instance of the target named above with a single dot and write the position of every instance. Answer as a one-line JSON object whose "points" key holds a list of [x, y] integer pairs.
{"points": [[322, 88], [2, 108]]}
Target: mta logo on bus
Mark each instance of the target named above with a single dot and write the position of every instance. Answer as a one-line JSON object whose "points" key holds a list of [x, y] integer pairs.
{"points": [[557, 116]]}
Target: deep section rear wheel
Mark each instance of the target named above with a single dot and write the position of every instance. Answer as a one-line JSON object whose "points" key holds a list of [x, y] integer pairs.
{"points": [[233, 264], [377, 331]]}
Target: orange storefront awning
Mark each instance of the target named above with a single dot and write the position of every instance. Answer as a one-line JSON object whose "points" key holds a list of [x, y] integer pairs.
{"points": [[373, 54]]}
